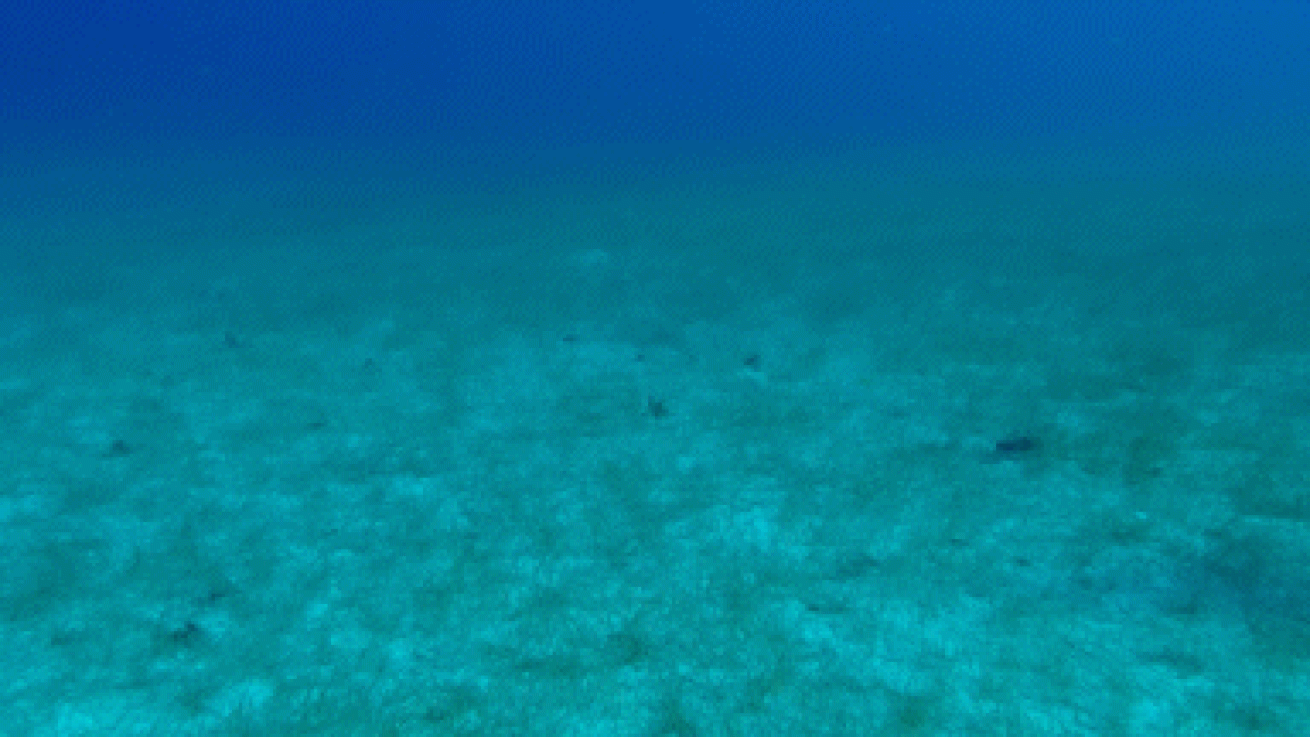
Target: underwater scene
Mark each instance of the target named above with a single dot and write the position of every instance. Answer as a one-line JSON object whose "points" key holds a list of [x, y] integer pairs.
{"points": [[711, 368]]}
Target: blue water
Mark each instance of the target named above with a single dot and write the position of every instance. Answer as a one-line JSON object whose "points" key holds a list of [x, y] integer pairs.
{"points": [[524, 76], [627, 368]]}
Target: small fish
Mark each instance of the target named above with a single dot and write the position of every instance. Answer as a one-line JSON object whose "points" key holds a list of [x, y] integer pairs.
{"points": [[1014, 448]]}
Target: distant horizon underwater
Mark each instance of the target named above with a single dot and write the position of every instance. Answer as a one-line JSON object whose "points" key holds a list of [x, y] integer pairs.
{"points": [[681, 368]]}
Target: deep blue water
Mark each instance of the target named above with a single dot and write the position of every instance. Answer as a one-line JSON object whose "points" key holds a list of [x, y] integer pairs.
{"points": [[518, 75]]}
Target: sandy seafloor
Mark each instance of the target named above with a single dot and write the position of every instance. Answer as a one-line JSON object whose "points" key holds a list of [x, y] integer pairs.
{"points": [[301, 444]]}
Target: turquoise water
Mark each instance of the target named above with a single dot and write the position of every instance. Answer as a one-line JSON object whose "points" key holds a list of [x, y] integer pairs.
{"points": [[372, 430]]}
